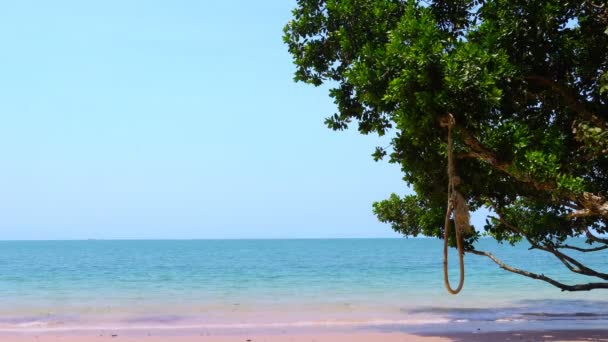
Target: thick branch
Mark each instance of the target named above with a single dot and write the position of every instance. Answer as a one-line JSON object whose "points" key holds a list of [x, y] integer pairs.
{"points": [[571, 263], [595, 238], [568, 96], [480, 152], [562, 286], [580, 213], [581, 249], [594, 204]]}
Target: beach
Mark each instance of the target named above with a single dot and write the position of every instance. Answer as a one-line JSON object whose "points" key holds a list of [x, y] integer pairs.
{"points": [[555, 336], [280, 290], [304, 170]]}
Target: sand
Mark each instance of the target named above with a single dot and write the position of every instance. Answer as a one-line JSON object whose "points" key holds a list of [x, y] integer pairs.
{"points": [[573, 335]]}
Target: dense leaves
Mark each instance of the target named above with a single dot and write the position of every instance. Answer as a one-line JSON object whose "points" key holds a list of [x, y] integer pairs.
{"points": [[527, 83]]}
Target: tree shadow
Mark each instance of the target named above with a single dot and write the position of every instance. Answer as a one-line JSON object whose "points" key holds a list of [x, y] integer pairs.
{"points": [[539, 311], [557, 335], [525, 320]]}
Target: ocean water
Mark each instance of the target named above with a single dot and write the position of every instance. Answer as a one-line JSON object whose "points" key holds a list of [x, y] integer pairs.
{"points": [[225, 284]]}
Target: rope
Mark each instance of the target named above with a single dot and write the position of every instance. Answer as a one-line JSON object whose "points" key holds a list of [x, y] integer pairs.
{"points": [[457, 205]]}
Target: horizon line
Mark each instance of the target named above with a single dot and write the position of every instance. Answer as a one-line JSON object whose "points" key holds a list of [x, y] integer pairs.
{"points": [[212, 239]]}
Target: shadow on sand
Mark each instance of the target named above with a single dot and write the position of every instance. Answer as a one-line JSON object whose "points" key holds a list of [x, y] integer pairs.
{"points": [[526, 320], [558, 335]]}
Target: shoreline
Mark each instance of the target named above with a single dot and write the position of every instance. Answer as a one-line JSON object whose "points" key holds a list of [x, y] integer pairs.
{"points": [[316, 336], [320, 330]]}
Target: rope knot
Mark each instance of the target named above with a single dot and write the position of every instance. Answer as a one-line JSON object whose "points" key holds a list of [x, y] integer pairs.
{"points": [[447, 121]]}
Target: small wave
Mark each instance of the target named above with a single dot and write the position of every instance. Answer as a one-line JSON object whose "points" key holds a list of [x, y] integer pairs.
{"points": [[32, 324], [509, 320], [28, 325], [163, 319], [227, 326]]}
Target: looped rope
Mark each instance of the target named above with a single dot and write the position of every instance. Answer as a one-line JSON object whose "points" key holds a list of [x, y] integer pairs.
{"points": [[456, 205]]}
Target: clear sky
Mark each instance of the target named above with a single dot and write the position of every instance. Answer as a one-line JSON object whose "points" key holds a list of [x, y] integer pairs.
{"points": [[172, 119]]}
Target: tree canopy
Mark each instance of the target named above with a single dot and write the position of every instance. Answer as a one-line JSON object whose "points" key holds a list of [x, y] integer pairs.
{"points": [[527, 84]]}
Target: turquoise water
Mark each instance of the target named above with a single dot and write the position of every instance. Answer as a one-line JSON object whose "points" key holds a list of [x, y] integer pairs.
{"points": [[230, 282]]}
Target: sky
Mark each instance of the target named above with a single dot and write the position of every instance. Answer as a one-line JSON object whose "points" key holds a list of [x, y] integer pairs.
{"points": [[172, 119]]}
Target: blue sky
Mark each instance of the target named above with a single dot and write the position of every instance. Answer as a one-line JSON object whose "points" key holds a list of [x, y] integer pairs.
{"points": [[172, 119]]}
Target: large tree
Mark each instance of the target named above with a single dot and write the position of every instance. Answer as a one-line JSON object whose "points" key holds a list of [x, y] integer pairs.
{"points": [[526, 82]]}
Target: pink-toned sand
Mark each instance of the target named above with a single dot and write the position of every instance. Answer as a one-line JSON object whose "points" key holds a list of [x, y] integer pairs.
{"points": [[582, 335], [271, 338]]}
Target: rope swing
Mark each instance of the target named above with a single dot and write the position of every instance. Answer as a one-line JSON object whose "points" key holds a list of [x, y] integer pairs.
{"points": [[458, 207]]}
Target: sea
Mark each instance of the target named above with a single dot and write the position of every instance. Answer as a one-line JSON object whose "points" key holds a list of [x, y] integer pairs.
{"points": [[227, 285]]}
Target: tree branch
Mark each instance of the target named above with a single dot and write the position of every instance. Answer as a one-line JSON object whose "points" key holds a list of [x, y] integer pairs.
{"points": [[562, 286], [580, 213], [595, 238], [571, 263], [568, 96], [591, 237], [595, 204], [581, 249], [480, 152]]}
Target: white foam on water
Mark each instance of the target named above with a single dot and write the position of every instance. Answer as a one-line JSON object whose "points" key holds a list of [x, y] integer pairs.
{"points": [[33, 324], [45, 327]]}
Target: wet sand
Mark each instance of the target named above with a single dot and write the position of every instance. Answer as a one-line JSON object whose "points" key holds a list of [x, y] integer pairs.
{"points": [[554, 336]]}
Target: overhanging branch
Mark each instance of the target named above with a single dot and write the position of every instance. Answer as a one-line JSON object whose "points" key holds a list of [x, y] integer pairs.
{"points": [[581, 249], [574, 265], [595, 238], [571, 263], [594, 204], [481, 152], [562, 286]]}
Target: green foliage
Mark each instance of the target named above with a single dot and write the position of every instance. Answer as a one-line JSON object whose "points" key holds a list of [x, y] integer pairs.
{"points": [[528, 79], [594, 139], [604, 84]]}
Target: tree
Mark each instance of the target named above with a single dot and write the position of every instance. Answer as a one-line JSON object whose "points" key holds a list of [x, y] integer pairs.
{"points": [[527, 84]]}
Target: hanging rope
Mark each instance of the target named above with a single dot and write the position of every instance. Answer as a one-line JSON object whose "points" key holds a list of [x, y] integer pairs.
{"points": [[457, 206]]}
